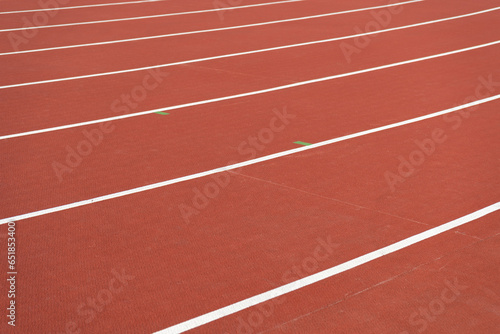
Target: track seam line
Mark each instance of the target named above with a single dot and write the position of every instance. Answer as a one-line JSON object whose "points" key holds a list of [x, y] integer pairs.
{"points": [[208, 30], [467, 235], [233, 73], [252, 93], [322, 275], [338, 301], [330, 198], [394, 277], [242, 164]]}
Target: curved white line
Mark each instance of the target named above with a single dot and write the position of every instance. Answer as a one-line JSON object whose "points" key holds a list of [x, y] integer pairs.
{"points": [[245, 52], [231, 97], [151, 16], [218, 29], [76, 7], [244, 163], [308, 280]]}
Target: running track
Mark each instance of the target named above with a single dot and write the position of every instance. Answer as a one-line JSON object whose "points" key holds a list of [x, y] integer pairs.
{"points": [[321, 238]]}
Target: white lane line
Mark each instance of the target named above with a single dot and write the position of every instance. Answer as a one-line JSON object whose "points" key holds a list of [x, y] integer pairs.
{"points": [[125, 40], [245, 52], [75, 7], [216, 29], [244, 163], [303, 282], [151, 16], [231, 97]]}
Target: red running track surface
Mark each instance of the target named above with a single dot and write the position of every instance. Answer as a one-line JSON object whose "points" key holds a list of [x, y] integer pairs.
{"points": [[147, 261]]}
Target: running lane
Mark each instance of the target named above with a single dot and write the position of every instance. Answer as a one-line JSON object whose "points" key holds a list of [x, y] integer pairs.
{"points": [[72, 62], [125, 11], [247, 238], [90, 99], [446, 284], [77, 34], [13, 5], [154, 148], [422, 171]]}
